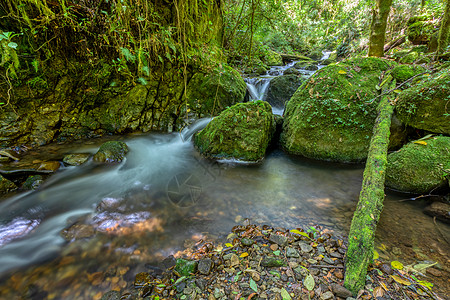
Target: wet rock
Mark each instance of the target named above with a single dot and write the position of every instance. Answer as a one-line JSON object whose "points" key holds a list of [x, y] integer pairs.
{"points": [[305, 247], [247, 242], [282, 88], [141, 279], [6, 185], [278, 239], [241, 132], [291, 71], [205, 265], [111, 295], [387, 269], [49, 166], [418, 166], [76, 159], [185, 267], [439, 210], [271, 262], [340, 291], [291, 252], [111, 152], [33, 182], [78, 231]]}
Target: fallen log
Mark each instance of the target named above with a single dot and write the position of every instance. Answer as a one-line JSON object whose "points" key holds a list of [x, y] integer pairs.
{"points": [[395, 43], [368, 211]]}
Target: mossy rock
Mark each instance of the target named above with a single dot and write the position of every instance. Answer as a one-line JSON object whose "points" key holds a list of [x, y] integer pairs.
{"points": [[242, 132], [272, 58], [402, 73], [426, 104], [409, 58], [418, 167], [282, 88], [186, 267], [420, 30], [33, 182], [331, 116], [307, 65], [210, 93], [331, 59], [111, 152], [6, 185]]}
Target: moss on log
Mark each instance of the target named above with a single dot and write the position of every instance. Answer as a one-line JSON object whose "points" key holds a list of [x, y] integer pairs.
{"points": [[365, 219]]}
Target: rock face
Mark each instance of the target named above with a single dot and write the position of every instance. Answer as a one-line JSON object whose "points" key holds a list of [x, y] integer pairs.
{"points": [[426, 104], [242, 132], [111, 152], [420, 166], [282, 88], [331, 116]]}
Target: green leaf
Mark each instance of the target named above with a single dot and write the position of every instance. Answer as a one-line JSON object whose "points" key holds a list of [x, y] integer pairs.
{"points": [[180, 280], [12, 45], [422, 267], [309, 282], [142, 81], [396, 265], [253, 285], [277, 252], [128, 55], [275, 273], [285, 294]]}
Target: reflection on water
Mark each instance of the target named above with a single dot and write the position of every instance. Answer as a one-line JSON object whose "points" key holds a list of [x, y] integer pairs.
{"points": [[164, 196]]}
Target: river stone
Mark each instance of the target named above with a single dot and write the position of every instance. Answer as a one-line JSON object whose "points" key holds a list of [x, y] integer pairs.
{"points": [[241, 132], [306, 65], [280, 240], [426, 104], [49, 166], [111, 295], [247, 242], [292, 252], [327, 296], [76, 159], [418, 167], [111, 152], [6, 185], [33, 182], [271, 262], [331, 116], [205, 265], [439, 210], [282, 88], [305, 247], [186, 267]]}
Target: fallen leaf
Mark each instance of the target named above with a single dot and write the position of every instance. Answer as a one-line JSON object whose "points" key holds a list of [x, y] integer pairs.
{"points": [[229, 245], [421, 143], [245, 254], [375, 254], [422, 267], [253, 285], [285, 294], [378, 292], [400, 280], [396, 265], [342, 72], [309, 282]]}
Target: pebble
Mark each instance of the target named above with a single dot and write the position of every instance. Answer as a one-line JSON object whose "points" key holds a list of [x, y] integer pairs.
{"points": [[205, 265], [326, 296], [305, 247], [278, 239], [340, 291], [291, 252]]}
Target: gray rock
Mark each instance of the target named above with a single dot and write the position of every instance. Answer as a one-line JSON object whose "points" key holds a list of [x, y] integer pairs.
{"points": [[291, 252], [111, 295], [328, 260], [205, 265], [278, 239], [327, 296], [247, 242], [340, 291], [305, 247]]}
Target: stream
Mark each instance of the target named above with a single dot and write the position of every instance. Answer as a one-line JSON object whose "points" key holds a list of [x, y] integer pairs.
{"points": [[92, 228]]}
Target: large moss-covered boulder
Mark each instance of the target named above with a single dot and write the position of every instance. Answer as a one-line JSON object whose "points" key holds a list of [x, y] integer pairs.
{"points": [[282, 88], [421, 28], [420, 166], [426, 105], [111, 152], [210, 93], [331, 116], [241, 132]]}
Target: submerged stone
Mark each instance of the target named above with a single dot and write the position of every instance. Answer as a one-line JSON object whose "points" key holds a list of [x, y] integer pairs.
{"points": [[76, 159], [33, 182], [6, 185], [331, 116], [241, 132], [111, 152], [419, 166]]}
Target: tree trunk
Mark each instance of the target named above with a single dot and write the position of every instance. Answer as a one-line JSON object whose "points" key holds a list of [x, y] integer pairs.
{"points": [[378, 27], [365, 219], [444, 31]]}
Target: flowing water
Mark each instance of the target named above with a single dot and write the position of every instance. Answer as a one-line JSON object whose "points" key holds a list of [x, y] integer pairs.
{"points": [[119, 219]]}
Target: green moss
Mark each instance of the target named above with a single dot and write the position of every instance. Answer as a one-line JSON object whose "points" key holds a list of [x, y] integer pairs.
{"points": [[243, 132], [331, 116], [111, 152], [271, 58], [6, 185], [409, 58], [209, 94], [426, 104], [419, 166], [186, 267], [420, 32], [402, 73]]}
